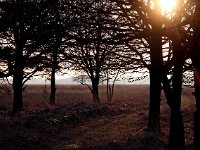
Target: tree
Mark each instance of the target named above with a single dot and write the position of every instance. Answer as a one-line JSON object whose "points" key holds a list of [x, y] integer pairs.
{"points": [[96, 38], [27, 23], [145, 21], [54, 47], [148, 22]]}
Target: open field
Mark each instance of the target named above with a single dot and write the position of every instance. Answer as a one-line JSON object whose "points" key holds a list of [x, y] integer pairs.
{"points": [[35, 95], [76, 123]]}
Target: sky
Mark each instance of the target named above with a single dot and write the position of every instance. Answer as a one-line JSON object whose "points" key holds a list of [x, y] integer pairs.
{"points": [[69, 80]]}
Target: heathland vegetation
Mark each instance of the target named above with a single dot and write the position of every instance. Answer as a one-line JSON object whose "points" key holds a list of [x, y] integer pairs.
{"points": [[76, 123], [102, 40]]}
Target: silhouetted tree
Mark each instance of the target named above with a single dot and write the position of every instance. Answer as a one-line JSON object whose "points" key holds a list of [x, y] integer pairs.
{"points": [[96, 38], [145, 21], [54, 46], [154, 28], [27, 22]]}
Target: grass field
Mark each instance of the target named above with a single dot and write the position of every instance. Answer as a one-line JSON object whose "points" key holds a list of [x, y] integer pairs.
{"points": [[35, 95], [119, 124]]}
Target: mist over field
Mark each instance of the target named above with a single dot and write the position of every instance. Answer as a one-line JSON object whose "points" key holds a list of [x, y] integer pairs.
{"points": [[70, 80]]}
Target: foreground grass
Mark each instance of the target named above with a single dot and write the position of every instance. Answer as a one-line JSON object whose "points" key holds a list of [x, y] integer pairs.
{"points": [[76, 123]]}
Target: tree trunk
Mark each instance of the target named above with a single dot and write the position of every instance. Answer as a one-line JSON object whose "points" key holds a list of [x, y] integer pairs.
{"points": [[18, 79], [155, 44], [55, 49], [53, 88], [154, 104], [95, 91], [176, 135], [18, 72], [17, 88], [173, 95], [53, 72]]}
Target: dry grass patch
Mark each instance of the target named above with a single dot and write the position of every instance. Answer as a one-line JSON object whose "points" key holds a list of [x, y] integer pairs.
{"points": [[120, 123]]}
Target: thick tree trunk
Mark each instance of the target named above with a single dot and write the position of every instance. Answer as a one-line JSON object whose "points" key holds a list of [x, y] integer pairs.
{"points": [[154, 104], [155, 81], [173, 95], [95, 91], [155, 72], [17, 88], [176, 134], [18, 72], [155, 84], [17, 80]]}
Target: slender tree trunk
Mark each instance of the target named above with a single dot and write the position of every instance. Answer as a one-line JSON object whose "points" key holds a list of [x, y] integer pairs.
{"points": [[53, 88], [53, 72], [110, 87], [18, 79], [55, 49]]}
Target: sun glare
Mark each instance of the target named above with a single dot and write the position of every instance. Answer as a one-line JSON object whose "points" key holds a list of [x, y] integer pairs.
{"points": [[167, 5]]}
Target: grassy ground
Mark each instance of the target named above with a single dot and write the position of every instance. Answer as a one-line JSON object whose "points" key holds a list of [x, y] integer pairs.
{"points": [[76, 123]]}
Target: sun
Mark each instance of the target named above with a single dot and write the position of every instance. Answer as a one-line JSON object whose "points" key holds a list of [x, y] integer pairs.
{"points": [[167, 6]]}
